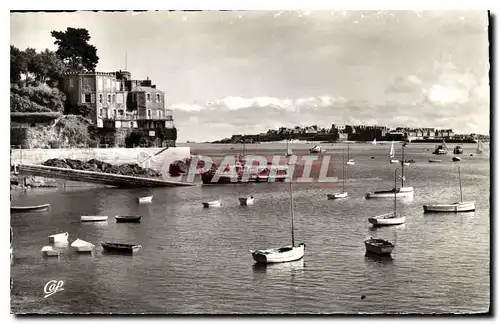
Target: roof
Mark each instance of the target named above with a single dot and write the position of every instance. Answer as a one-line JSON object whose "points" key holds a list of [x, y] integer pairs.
{"points": [[145, 89]]}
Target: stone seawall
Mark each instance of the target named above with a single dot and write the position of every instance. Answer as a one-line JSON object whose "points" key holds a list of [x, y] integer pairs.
{"points": [[142, 156]]}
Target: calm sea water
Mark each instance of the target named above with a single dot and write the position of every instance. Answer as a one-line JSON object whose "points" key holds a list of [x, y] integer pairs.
{"points": [[197, 260]]}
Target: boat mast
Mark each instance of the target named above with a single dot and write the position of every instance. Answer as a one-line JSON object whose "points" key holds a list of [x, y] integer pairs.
{"points": [[402, 166], [343, 171], [291, 197], [395, 184], [347, 152], [460, 183]]}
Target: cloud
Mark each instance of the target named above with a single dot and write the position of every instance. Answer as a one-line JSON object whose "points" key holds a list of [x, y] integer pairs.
{"points": [[409, 83]]}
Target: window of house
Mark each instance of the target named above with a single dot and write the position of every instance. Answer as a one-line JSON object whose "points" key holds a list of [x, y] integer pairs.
{"points": [[120, 112], [101, 112], [158, 98], [114, 112], [169, 118], [149, 113], [100, 97], [114, 98], [109, 98], [87, 98], [131, 124], [148, 97]]}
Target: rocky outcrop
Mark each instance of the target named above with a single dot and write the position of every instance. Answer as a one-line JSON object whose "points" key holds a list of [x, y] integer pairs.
{"points": [[129, 169]]}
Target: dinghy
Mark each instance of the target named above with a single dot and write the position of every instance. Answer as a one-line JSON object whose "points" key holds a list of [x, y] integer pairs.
{"points": [[214, 203], [401, 192], [128, 219], [93, 218], [458, 150], [24, 209], [283, 254], [441, 149], [389, 218], [82, 247], [434, 161], [144, 200], [378, 246], [48, 251], [456, 207], [245, 201], [59, 238], [120, 247], [456, 159]]}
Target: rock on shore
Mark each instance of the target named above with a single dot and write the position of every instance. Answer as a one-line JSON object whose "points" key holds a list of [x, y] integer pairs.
{"points": [[128, 169]]}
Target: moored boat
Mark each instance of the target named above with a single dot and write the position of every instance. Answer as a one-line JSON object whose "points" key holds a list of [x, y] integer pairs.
{"points": [[214, 203], [441, 149], [317, 149], [283, 254], [59, 238], [434, 161], [23, 209], [349, 160], [387, 219], [458, 150], [93, 218], [456, 207], [128, 218], [82, 247], [390, 218], [378, 246], [49, 251], [400, 192], [245, 201], [343, 193], [120, 247], [144, 200], [456, 159]]}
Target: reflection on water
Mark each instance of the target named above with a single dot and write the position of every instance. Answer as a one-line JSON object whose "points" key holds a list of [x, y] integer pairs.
{"points": [[279, 267], [369, 257]]}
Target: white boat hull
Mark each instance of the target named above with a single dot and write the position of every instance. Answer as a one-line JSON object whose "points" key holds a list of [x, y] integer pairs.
{"points": [[406, 163], [93, 218], [338, 195], [401, 192], [246, 201], [48, 251], [212, 204], [394, 161], [350, 162], [59, 238], [145, 200], [82, 247], [287, 254], [465, 206], [387, 220]]}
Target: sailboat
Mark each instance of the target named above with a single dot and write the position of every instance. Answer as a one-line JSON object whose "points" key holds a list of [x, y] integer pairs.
{"points": [[403, 160], [248, 200], [343, 193], [390, 218], [441, 149], [349, 160], [282, 254], [374, 141], [480, 147], [401, 192], [461, 206], [391, 154]]}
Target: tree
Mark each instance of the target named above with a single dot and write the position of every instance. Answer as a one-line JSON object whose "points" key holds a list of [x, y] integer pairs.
{"points": [[74, 49]]}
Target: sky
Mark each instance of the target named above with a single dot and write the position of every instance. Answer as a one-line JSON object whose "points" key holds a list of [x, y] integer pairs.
{"points": [[243, 72]]}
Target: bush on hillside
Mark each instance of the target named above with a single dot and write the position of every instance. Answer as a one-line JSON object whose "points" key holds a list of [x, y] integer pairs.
{"points": [[20, 104], [74, 129], [45, 96]]}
